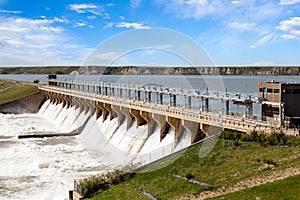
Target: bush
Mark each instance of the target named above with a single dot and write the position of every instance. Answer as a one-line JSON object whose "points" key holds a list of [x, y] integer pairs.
{"points": [[270, 162], [189, 175], [274, 139], [96, 184]]}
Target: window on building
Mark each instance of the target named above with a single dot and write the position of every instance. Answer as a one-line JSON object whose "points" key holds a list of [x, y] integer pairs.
{"points": [[276, 90], [269, 90], [296, 91]]}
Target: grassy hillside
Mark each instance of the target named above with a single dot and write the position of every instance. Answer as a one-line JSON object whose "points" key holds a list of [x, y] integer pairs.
{"points": [[6, 83], [11, 90], [37, 70], [288, 188], [229, 162]]}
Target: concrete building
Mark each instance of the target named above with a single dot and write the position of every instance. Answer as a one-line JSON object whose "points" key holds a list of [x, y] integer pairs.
{"points": [[280, 103]]}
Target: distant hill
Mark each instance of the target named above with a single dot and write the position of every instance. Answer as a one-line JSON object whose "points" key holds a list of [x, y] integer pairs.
{"points": [[134, 70], [38, 70]]}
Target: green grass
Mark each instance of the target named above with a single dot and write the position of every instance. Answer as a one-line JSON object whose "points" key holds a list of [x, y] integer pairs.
{"points": [[288, 188], [37, 70], [225, 165], [6, 83], [15, 92]]}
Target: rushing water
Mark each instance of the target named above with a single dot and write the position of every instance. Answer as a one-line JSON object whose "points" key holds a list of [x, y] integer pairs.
{"points": [[45, 168], [40, 168]]}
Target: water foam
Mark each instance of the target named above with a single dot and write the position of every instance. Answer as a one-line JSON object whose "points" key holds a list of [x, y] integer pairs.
{"points": [[46, 168]]}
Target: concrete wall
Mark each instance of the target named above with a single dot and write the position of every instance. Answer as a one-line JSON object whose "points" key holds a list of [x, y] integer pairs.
{"points": [[27, 104]]}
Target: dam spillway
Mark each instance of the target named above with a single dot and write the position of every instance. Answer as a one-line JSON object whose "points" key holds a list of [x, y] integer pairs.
{"points": [[114, 144], [131, 121]]}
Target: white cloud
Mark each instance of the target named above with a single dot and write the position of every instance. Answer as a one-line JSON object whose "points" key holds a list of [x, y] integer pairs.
{"points": [[242, 26], [133, 25], [235, 1], [289, 2], [60, 20], [248, 11], [106, 16], [265, 39], [91, 17], [79, 24], [291, 28], [25, 25], [11, 11], [35, 42], [135, 3], [86, 8], [108, 56], [109, 25], [195, 8], [122, 18]]}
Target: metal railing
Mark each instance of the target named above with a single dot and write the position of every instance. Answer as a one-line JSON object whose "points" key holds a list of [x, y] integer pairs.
{"points": [[182, 113]]}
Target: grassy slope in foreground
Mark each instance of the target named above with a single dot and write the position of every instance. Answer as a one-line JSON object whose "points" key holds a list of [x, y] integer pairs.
{"points": [[288, 188], [14, 90], [226, 164]]}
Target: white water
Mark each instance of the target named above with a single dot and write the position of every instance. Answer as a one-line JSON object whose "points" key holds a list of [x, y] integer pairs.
{"points": [[46, 168], [40, 168]]}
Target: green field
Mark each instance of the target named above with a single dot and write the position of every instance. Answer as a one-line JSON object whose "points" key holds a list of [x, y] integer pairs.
{"points": [[288, 188], [228, 163], [12, 90], [6, 83]]}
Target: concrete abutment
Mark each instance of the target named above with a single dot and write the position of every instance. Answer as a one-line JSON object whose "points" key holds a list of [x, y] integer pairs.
{"points": [[194, 130], [175, 123], [117, 110], [129, 117], [150, 122], [138, 117]]}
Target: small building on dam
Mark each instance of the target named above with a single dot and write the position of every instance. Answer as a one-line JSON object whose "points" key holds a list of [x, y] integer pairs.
{"points": [[280, 103]]}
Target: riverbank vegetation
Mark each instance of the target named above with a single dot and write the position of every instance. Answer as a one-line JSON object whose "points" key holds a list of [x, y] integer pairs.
{"points": [[38, 70], [11, 90], [97, 184], [233, 159]]}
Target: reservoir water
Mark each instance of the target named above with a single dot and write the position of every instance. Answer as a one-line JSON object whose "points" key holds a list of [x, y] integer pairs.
{"points": [[45, 168]]}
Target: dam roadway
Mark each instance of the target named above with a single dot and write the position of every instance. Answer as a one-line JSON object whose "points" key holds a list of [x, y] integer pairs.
{"points": [[115, 100]]}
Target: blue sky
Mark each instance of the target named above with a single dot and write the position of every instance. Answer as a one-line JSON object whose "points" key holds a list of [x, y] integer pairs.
{"points": [[237, 32]]}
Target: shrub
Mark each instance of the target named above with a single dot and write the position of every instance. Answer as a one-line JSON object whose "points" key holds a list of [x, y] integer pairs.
{"points": [[96, 184], [189, 175], [274, 139], [270, 162]]}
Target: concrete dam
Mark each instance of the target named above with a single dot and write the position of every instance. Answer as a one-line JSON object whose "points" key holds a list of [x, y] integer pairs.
{"points": [[138, 125]]}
